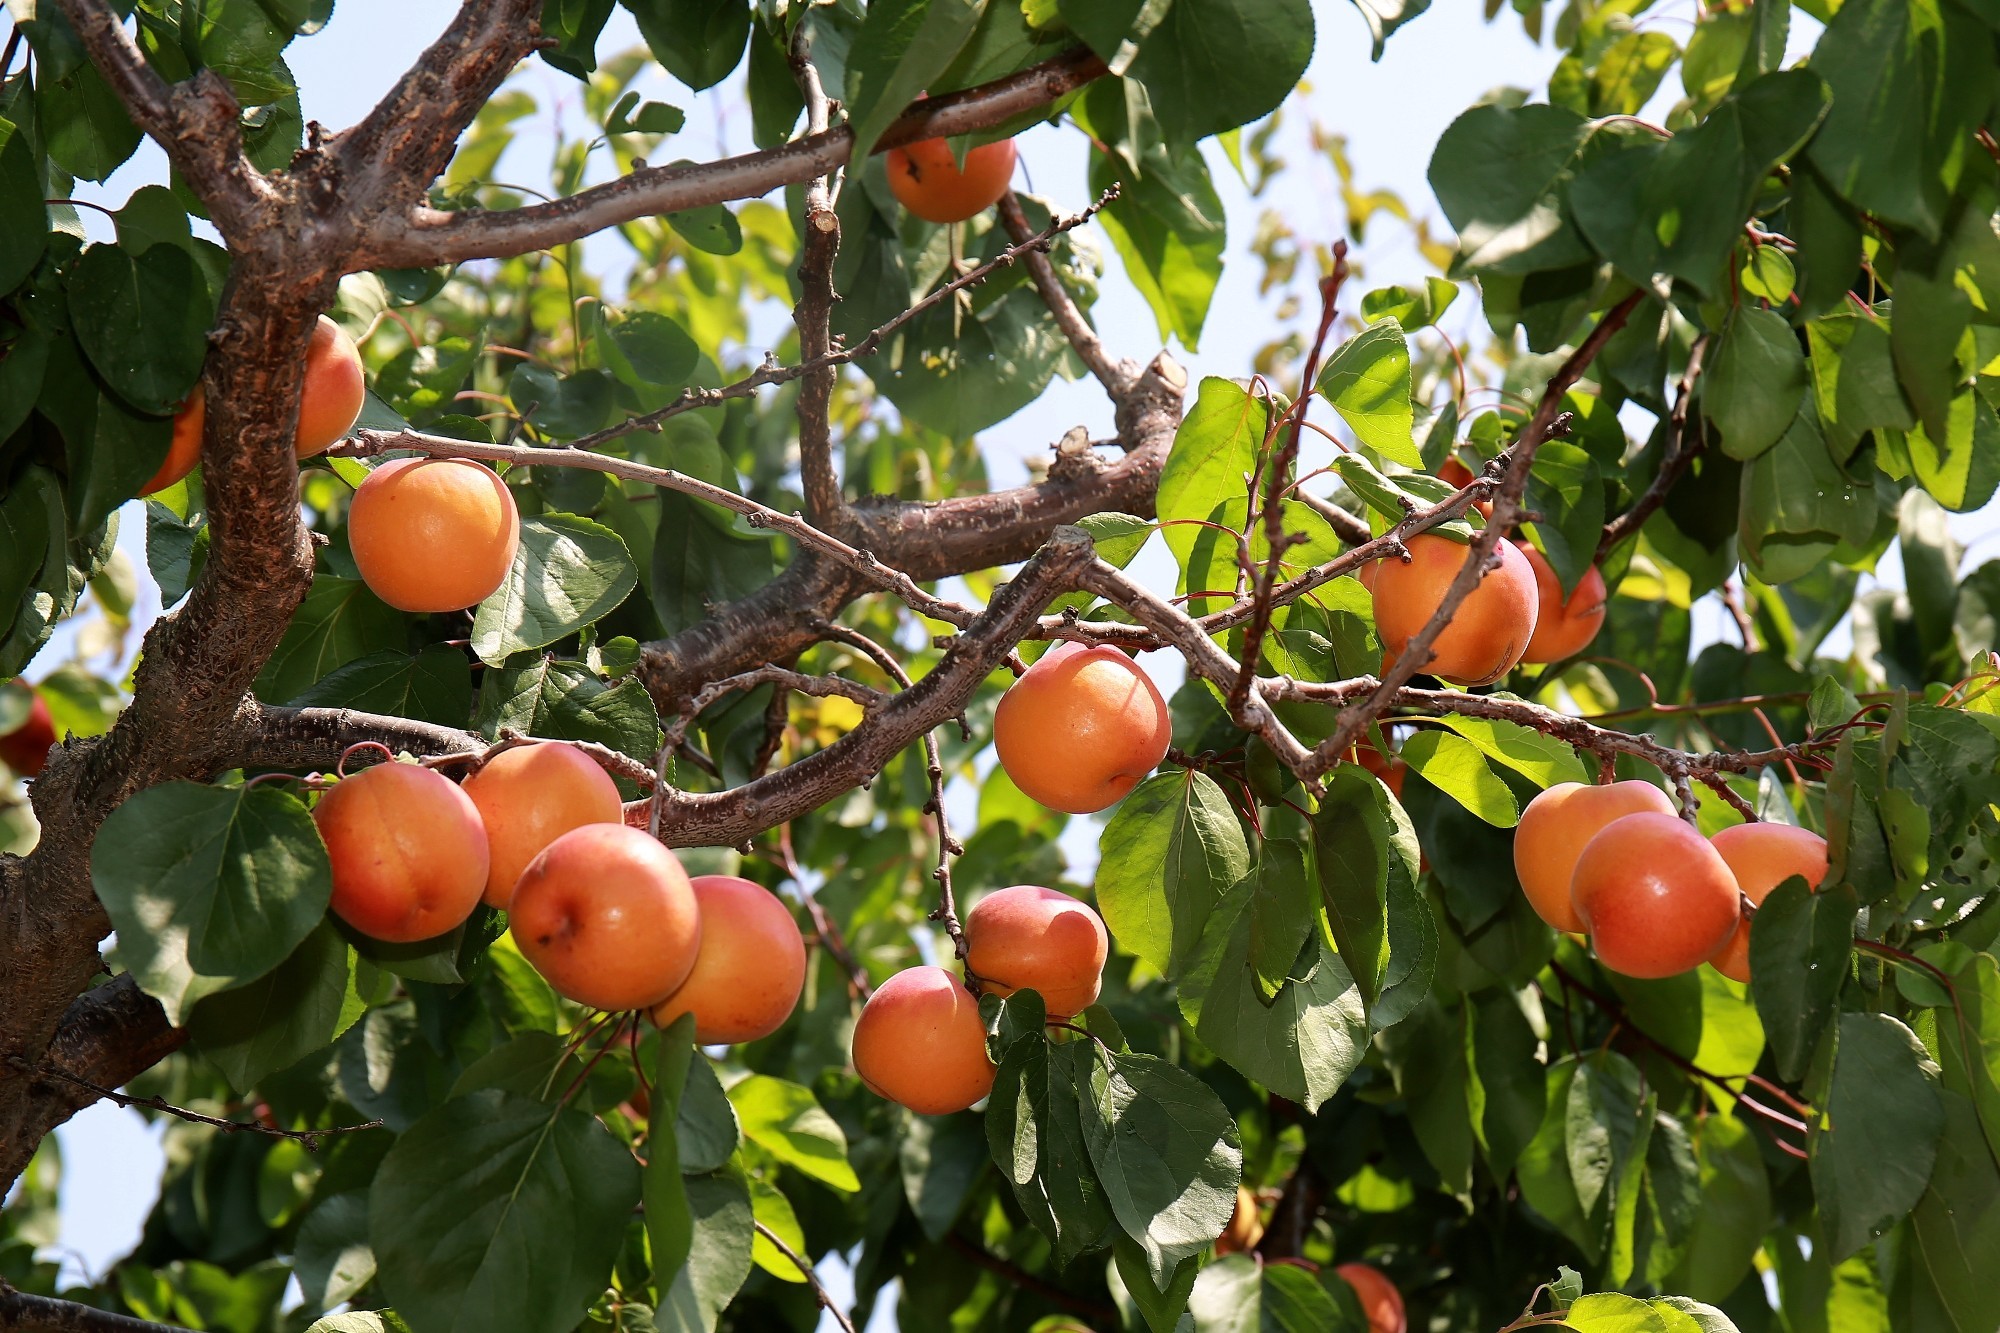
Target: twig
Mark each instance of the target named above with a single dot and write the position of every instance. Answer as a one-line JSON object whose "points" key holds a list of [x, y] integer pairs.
{"points": [[1671, 467], [1113, 375], [826, 1301], [813, 315], [824, 925], [309, 1137], [819, 687], [615, 762]]}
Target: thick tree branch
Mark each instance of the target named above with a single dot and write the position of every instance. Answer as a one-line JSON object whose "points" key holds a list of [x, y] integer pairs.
{"points": [[23, 1313], [431, 237], [813, 314]]}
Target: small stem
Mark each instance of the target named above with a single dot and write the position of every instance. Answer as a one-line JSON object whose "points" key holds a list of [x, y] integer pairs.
{"points": [[820, 1293]]}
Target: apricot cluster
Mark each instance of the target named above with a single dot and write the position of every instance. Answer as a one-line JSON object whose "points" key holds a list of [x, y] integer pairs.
{"points": [[603, 911], [1656, 898], [920, 1041]]}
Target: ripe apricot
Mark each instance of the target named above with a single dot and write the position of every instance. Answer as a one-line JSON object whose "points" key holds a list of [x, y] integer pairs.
{"points": [[1489, 630], [531, 795], [1031, 937], [1380, 1300], [1655, 896], [1763, 856], [334, 390], [1081, 727], [1553, 830], [749, 970], [1245, 1228], [433, 534], [919, 1042], [26, 748], [184, 450], [608, 917], [408, 851], [1563, 627], [926, 179]]}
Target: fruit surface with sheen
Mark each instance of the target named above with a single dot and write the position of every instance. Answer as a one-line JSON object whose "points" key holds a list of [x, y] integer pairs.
{"points": [[1030, 937], [1081, 728], [531, 795], [26, 748], [750, 969], [1488, 631], [1245, 1227], [409, 854], [919, 1042], [1555, 826], [608, 917], [433, 534], [1380, 1300], [1763, 856], [1656, 898], [184, 451], [1564, 627], [926, 179], [334, 392]]}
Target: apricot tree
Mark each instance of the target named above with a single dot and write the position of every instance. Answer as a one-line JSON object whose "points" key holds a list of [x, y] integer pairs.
{"points": [[332, 881]]}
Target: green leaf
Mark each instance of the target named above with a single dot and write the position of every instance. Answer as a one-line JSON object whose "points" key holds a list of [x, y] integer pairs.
{"points": [[496, 1210], [698, 41], [718, 1256], [1605, 1126], [1457, 767], [23, 226], [706, 1127], [712, 228], [1356, 835], [1035, 1132], [647, 351], [1367, 379], [1752, 388], [1883, 1092], [142, 319], [1957, 1223], [1167, 225], [339, 622], [331, 1254], [1800, 943], [568, 572], [1543, 1168], [1168, 1153], [280, 1018], [1215, 448], [1283, 910], [786, 1121], [1960, 469], [669, 1224], [1162, 1305], [1501, 175], [1542, 760], [1167, 856], [1208, 65], [1735, 1211], [1506, 1082], [562, 406], [1239, 1294], [86, 130], [1567, 489], [1854, 379], [695, 566], [434, 685], [208, 887], [941, 1159], [902, 46], [769, 1206], [565, 701]]}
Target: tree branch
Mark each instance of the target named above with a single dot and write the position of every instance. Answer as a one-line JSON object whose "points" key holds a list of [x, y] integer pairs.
{"points": [[820, 1293], [1677, 460], [1113, 374], [429, 237], [813, 315], [23, 1313]]}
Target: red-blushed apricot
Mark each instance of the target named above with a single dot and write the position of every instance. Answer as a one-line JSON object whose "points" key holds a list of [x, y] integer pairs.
{"points": [[750, 969], [184, 450], [926, 179], [606, 914], [433, 534], [1564, 627], [334, 390], [1245, 1227], [1488, 631], [26, 748], [1461, 476], [1380, 1300], [408, 851], [919, 1042], [1763, 856], [1656, 898], [1030, 937], [1081, 728], [531, 795], [1555, 826]]}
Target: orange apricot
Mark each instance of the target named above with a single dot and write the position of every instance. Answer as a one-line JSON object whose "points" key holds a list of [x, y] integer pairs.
{"points": [[1380, 1301], [408, 852], [26, 748], [1081, 728], [928, 181], [334, 390], [1031, 937], [1763, 856], [433, 534], [608, 917], [1245, 1228], [1656, 898], [184, 450], [531, 795], [919, 1042], [1488, 632], [1564, 627], [749, 970], [1553, 830]]}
